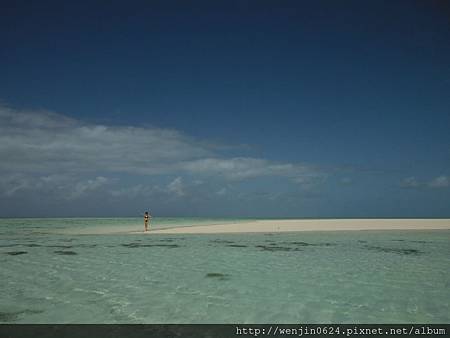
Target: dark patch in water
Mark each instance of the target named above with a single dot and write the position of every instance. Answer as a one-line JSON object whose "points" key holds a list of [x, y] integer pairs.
{"points": [[325, 244], [132, 245], [85, 246], [309, 244], [13, 316], [139, 245], [8, 316], [395, 250], [276, 248], [166, 245], [16, 253], [62, 252], [398, 240], [219, 276], [299, 243], [420, 242], [60, 246], [32, 245], [362, 241], [221, 241], [237, 245]]}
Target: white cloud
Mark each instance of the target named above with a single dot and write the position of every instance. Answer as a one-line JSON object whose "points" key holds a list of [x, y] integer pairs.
{"points": [[410, 182], [34, 119], [221, 192], [47, 142], [239, 168], [439, 182], [52, 153], [58, 185], [176, 187], [14, 183], [83, 187], [131, 192]]}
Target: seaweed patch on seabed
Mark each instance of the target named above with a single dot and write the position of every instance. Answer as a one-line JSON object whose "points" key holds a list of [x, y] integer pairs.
{"points": [[309, 244], [237, 245], [395, 250], [221, 241], [139, 245], [9, 245], [68, 253], [276, 248], [85, 246], [16, 253], [171, 239], [219, 276], [13, 316]]}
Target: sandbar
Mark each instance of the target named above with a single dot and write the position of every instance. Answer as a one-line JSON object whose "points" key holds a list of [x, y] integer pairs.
{"points": [[294, 225]]}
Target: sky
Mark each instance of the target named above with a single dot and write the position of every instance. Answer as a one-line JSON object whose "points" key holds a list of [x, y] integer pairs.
{"points": [[225, 108]]}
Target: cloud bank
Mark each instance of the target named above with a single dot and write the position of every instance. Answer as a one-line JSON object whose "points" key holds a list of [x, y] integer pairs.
{"points": [[50, 152], [435, 183]]}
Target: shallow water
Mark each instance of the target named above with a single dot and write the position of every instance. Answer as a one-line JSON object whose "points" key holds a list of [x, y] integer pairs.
{"points": [[50, 275]]}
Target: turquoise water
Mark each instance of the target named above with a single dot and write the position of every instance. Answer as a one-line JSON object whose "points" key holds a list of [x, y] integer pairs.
{"points": [[50, 275]]}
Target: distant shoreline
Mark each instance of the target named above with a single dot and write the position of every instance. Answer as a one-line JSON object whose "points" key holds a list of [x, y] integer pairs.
{"points": [[297, 225], [226, 218]]}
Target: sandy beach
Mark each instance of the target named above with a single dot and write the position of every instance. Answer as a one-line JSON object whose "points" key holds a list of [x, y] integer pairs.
{"points": [[295, 225]]}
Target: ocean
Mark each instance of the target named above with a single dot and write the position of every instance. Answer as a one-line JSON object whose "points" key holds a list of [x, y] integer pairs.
{"points": [[55, 271]]}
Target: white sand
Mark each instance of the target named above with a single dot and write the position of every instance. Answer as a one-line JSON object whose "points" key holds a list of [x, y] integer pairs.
{"points": [[311, 225]]}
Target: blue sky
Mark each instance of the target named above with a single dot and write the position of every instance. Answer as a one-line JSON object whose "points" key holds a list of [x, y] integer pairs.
{"points": [[234, 108]]}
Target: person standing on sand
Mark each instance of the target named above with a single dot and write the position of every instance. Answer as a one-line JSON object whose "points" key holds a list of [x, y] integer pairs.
{"points": [[146, 220]]}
